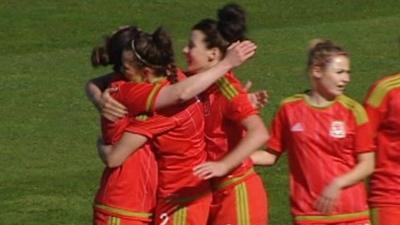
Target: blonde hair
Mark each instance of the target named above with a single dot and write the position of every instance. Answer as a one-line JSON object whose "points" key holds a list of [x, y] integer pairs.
{"points": [[321, 51]]}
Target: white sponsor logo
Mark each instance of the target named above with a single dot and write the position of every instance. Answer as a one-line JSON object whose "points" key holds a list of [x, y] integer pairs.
{"points": [[338, 129], [297, 127]]}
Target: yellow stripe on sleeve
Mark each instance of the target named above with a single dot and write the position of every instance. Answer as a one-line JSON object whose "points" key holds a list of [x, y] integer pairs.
{"points": [[226, 88], [381, 90], [150, 98], [358, 111], [293, 98]]}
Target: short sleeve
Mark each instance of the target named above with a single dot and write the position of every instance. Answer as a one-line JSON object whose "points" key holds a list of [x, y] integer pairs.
{"points": [[376, 110], [239, 107], [276, 140], [364, 138], [139, 98]]}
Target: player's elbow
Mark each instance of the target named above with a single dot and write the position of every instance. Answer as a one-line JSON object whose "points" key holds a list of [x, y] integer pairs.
{"points": [[184, 95], [112, 163], [263, 158], [270, 161], [262, 134], [370, 167]]}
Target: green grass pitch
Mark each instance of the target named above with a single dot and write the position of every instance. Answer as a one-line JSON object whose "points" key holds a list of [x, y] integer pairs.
{"points": [[49, 167]]}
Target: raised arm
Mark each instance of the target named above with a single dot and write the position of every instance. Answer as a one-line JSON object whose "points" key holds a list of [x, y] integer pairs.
{"points": [[237, 54], [115, 155], [256, 136]]}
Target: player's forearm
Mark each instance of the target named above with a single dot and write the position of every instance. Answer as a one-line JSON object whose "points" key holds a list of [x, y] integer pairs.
{"points": [[127, 145], [263, 158], [255, 137], [95, 87], [364, 168], [93, 93], [192, 86]]}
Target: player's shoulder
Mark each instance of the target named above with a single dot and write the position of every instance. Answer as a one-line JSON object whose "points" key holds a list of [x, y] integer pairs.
{"points": [[229, 86], [293, 99], [354, 107], [381, 88]]}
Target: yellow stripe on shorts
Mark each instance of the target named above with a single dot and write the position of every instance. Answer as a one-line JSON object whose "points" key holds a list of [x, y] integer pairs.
{"points": [[180, 216], [113, 220], [242, 205], [375, 216]]}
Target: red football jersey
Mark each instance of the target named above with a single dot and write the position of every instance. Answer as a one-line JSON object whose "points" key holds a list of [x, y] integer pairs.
{"points": [[383, 108], [177, 134], [226, 104], [322, 144], [128, 190]]}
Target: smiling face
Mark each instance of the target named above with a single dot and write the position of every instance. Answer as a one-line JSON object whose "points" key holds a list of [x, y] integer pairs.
{"points": [[331, 80], [198, 57]]}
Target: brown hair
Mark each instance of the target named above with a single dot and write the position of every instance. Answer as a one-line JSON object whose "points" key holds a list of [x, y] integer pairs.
{"points": [[230, 27], [321, 52], [156, 52], [110, 53]]}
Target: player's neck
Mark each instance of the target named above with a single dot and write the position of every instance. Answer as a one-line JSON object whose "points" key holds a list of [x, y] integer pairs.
{"points": [[319, 100]]}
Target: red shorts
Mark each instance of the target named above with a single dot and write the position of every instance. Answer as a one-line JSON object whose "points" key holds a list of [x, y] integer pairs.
{"points": [[184, 211], [388, 215], [243, 203], [100, 218]]}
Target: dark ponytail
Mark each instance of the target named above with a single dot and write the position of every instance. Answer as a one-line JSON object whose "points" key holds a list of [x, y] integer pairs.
{"points": [[99, 57], [110, 53], [232, 23], [230, 27]]}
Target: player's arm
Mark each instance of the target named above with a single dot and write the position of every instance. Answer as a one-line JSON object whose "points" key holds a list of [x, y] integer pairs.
{"points": [[264, 158], [97, 93], [179, 92], [364, 167], [256, 136], [187, 89], [115, 155], [95, 87]]}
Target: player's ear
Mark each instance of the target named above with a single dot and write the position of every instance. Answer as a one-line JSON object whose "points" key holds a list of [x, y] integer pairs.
{"points": [[214, 54], [147, 73], [316, 72]]}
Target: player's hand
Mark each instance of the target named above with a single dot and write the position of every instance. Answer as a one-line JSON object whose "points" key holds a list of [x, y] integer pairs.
{"points": [[328, 198], [239, 52], [111, 109], [258, 99], [209, 170]]}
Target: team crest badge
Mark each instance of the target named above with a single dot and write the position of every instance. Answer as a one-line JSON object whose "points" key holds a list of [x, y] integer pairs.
{"points": [[338, 129]]}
